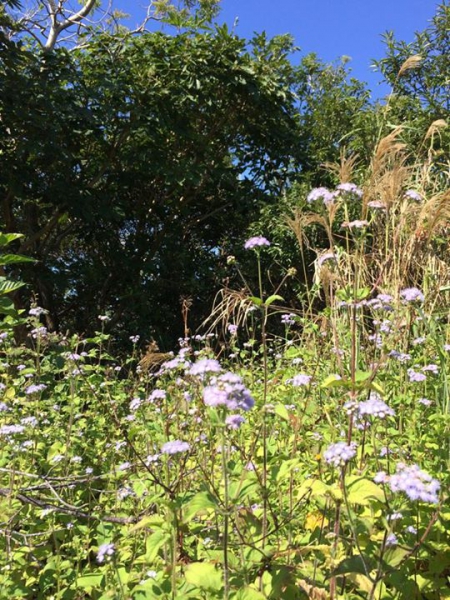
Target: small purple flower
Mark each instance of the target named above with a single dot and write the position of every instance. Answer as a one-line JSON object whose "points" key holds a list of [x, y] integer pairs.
{"points": [[288, 319], [104, 318], [431, 369], [424, 401], [205, 365], [350, 188], [375, 407], [11, 429], [175, 447], [135, 404], [413, 195], [35, 388], [381, 477], [228, 390], [411, 295], [416, 377], [391, 540], [299, 380], [419, 340], [234, 421], [134, 339], [402, 357], [256, 242], [37, 311], [156, 395], [320, 193], [39, 332], [377, 205], [232, 329], [415, 483], [447, 347], [340, 453], [105, 551]]}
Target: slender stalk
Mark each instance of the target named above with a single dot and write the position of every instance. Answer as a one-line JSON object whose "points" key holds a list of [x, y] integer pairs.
{"points": [[226, 523]]}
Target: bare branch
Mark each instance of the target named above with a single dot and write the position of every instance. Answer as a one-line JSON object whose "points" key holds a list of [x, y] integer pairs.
{"points": [[57, 28]]}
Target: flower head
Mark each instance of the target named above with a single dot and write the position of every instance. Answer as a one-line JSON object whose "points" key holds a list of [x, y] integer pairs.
{"points": [[413, 195], [412, 295], [175, 447], [340, 453], [256, 242], [350, 188], [415, 483], [228, 390], [320, 193], [105, 551]]}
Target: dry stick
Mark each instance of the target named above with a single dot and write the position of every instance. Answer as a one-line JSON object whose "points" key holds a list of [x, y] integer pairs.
{"points": [[25, 499]]}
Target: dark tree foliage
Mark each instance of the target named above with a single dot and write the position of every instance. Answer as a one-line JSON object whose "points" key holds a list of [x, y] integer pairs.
{"points": [[130, 163]]}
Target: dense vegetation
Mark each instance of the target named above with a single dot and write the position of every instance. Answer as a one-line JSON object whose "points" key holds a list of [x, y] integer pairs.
{"points": [[292, 235]]}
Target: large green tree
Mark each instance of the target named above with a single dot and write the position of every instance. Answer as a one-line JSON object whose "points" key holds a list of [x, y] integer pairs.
{"points": [[130, 162]]}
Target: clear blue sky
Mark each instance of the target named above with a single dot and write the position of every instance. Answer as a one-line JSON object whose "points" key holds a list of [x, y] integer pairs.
{"points": [[331, 28]]}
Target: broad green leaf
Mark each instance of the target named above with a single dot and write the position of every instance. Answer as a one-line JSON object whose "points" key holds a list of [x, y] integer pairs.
{"points": [[282, 411], [204, 576], [361, 490], [248, 593], [10, 259], [200, 503], [90, 580], [354, 564], [333, 381], [154, 543], [7, 238]]}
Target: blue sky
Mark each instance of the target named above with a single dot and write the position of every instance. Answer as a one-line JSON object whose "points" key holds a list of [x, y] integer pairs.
{"points": [[331, 28]]}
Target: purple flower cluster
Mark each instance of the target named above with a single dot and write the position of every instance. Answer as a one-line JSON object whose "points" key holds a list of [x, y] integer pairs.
{"points": [[228, 390], [234, 421], [288, 319], [375, 407], [413, 195], [175, 447], [415, 483], [350, 188], [256, 242], [320, 193], [299, 380], [411, 295], [105, 551], [204, 366], [402, 357], [340, 453], [415, 377], [35, 388]]}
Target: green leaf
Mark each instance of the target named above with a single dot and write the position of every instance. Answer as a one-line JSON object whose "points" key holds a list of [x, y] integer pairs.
{"points": [[154, 543], [256, 300], [201, 502], [204, 576], [361, 490], [90, 580], [333, 381], [6, 287], [7, 238], [248, 593], [10, 259], [271, 299], [282, 412], [354, 564]]}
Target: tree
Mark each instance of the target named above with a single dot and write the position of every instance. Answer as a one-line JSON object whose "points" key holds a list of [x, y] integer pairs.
{"points": [[129, 163]]}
